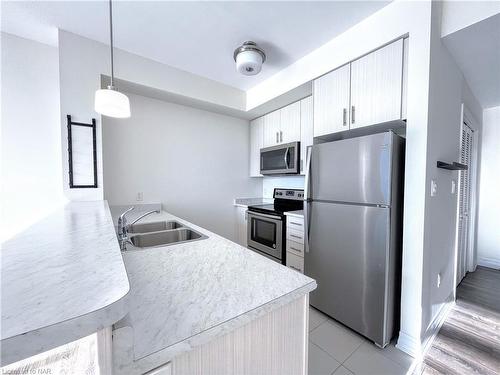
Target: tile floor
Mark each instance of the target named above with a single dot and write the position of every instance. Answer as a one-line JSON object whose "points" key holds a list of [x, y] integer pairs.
{"points": [[335, 349]]}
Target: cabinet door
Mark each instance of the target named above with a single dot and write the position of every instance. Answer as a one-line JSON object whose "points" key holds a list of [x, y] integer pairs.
{"points": [[306, 129], [331, 102], [290, 123], [376, 86], [272, 126], [256, 143], [241, 219]]}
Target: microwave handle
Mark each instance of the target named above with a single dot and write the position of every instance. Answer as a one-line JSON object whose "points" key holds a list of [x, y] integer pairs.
{"points": [[287, 153]]}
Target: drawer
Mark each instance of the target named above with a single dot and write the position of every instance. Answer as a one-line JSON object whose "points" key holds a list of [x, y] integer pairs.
{"points": [[295, 235], [295, 247], [295, 262], [296, 223]]}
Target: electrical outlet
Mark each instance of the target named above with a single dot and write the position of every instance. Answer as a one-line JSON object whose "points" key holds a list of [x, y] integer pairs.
{"points": [[139, 197], [453, 186], [438, 282], [434, 188]]}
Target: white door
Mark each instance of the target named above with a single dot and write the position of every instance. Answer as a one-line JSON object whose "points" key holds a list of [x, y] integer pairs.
{"points": [[331, 102], [256, 143], [272, 127], [306, 129], [464, 201], [290, 123], [377, 85]]}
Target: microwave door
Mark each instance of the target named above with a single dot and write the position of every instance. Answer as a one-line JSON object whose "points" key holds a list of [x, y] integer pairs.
{"points": [[281, 159]]}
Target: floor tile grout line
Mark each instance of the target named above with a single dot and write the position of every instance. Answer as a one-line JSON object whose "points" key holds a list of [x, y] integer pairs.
{"points": [[350, 355]]}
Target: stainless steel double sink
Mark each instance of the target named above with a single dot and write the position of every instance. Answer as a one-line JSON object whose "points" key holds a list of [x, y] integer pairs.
{"points": [[161, 233]]}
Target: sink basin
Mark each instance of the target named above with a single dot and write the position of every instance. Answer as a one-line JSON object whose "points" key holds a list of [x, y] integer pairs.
{"points": [[154, 226], [166, 237]]}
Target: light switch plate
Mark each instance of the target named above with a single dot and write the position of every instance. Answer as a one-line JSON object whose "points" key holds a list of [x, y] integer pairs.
{"points": [[139, 197]]}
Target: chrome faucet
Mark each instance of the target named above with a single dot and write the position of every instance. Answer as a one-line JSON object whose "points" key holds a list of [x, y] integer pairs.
{"points": [[123, 227]]}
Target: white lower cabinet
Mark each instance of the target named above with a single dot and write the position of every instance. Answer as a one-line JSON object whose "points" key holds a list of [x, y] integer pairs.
{"points": [[241, 225], [295, 243]]}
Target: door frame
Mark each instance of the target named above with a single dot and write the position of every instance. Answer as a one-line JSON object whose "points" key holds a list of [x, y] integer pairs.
{"points": [[471, 257]]}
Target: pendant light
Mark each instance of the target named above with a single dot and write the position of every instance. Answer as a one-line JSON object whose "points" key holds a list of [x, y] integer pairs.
{"points": [[110, 102]]}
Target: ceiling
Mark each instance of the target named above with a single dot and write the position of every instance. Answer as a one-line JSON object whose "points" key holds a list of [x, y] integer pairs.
{"points": [[198, 37], [476, 50]]}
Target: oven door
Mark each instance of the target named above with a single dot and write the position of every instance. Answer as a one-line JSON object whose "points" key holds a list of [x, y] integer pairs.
{"points": [[265, 233], [280, 159]]}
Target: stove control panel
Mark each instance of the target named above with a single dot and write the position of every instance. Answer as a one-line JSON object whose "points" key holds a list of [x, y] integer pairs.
{"points": [[290, 194]]}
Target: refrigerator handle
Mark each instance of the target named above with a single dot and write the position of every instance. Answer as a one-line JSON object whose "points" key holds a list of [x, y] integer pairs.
{"points": [[307, 201]]}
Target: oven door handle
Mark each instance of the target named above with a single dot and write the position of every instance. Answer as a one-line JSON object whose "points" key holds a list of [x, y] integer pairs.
{"points": [[259, 215]]}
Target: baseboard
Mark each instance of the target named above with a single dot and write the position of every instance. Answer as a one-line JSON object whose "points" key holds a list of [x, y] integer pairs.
{"points": [[436, 324], [417, 349], [489, 262]]}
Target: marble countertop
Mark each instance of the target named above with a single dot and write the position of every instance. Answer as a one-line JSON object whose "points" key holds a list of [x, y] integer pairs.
{"points": [[61, 279], [298, 213], [245, 202], [184, 295]]}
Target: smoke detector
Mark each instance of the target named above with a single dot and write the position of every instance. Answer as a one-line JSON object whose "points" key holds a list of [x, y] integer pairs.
{"points": [[249, 58]]}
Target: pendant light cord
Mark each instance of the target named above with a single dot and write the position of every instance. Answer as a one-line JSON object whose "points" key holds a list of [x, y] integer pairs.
{"points": [[111, 37]]}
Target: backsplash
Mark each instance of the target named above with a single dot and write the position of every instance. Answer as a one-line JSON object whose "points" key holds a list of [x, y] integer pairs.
{"points": [[269, 183]]}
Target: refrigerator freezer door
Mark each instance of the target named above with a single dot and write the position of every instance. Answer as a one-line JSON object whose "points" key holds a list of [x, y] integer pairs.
{"points": [[349, 257], [353, 170]]}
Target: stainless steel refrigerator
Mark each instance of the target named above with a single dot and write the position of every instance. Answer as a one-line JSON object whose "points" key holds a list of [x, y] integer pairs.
{"points": [[353, 219]]}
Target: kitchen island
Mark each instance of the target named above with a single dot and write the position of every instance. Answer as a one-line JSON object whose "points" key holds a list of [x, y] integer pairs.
{"points": [[210, 306]]}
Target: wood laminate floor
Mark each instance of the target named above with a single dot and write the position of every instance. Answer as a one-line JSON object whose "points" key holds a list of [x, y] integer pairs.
{"points": [[469, 340]]}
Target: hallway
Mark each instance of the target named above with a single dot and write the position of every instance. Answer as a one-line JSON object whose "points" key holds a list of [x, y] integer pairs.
{"points": [[469, 340]]}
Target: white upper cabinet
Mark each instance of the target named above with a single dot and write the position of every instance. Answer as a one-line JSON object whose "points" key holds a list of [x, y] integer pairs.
{"points": [[376, 86], [306, 130], [282, 125], [331, 102], [290, 123], [272, 127], [256, 143]]}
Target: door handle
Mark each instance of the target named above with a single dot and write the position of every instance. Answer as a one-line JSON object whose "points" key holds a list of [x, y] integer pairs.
{"points": [[287, 153], [344, 117], [277, 137], [306, 203], [281, 136], [353, 114]]}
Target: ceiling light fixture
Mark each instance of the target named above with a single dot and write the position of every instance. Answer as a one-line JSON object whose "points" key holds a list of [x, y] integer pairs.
{"points": [[249, 58], [110, 102]]}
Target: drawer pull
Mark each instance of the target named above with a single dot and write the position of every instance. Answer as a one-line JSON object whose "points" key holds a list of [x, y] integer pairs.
{"points": [[293, 235], [295, 268], [294, 223], [293, 248]]}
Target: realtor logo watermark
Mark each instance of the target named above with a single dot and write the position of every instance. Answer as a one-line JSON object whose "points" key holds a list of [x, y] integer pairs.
{"points": [[27, 371]]}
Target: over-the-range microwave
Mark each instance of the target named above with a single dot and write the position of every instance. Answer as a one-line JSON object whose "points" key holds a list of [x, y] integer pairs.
{"points": [[280, 159]]}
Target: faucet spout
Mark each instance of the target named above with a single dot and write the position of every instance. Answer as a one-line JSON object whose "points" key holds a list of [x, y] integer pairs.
{"points": [[144, 215]]}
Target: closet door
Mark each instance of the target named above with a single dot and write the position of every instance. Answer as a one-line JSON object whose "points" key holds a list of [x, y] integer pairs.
{"points": [[331, 102], [377, 85]]}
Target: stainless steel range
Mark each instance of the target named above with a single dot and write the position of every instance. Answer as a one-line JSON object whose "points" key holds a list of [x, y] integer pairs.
{"points": [[267, 226]]}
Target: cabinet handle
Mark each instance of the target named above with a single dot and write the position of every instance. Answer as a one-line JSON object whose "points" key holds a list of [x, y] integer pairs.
{"points": [[294, 236], [277, 137], [353, 114], [294, 223], [293, 248], [344, 117], [281, 136], [295, 268]]}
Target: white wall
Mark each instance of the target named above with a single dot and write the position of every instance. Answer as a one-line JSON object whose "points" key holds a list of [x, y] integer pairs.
{"points": [[458, 15], [489, 199], [192, 161], [82, 61], [288, 182], [31, 152]]}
